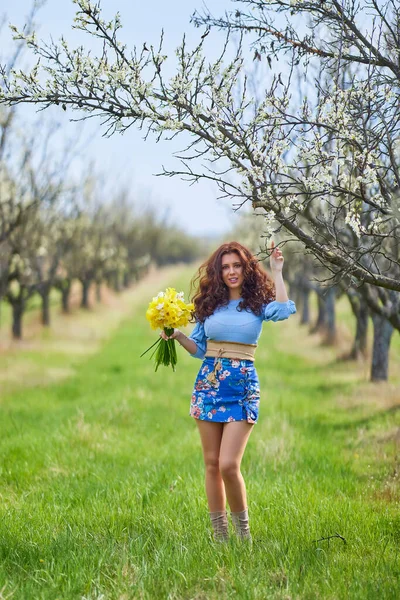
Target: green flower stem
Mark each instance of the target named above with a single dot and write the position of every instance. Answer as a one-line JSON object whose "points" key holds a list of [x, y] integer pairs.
{"points": [[150, 347], [165, 351]]}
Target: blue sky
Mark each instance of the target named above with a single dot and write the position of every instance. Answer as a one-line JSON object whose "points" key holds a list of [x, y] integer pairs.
{"points": [[126, 159]]}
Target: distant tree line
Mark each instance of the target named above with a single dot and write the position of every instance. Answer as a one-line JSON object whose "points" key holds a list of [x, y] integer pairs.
{"points": [[53, 232]]}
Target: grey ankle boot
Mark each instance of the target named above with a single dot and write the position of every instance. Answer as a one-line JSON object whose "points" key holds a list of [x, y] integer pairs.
{"points": [[240, 522], [219, 521]]}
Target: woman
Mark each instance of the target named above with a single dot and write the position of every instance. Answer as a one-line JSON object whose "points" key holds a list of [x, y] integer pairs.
{"points": [[234, 296]]}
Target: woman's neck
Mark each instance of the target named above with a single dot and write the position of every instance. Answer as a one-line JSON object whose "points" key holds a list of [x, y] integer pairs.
{"points": [[235, 295]]}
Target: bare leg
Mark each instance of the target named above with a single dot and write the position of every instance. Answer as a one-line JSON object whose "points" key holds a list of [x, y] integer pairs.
{"points": [[234, 439], [211, 436]]}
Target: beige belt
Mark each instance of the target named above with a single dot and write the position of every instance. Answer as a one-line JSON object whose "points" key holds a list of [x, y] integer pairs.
{"points": [[231, 350], [227, 350]]}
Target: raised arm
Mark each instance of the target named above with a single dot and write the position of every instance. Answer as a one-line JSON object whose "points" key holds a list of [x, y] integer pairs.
{"points": [[276, 261], [281, 308]]}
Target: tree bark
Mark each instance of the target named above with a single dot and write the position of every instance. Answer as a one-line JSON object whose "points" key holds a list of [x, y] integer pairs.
{"points": [[360, 339], [117, 282], [45, 295], [18, 307], [330, 299], [126, 280], [383, 331], [294, 292], [65, 294], [321, 318], [305, 310], [98, 291], [85, 293]]}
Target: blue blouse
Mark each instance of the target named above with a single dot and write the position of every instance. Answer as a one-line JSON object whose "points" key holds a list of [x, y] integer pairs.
{"points": [[231, 325]]}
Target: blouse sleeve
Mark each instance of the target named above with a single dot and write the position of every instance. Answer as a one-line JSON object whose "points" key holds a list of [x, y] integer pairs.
{"points": [[199, 337], [278, 311]]}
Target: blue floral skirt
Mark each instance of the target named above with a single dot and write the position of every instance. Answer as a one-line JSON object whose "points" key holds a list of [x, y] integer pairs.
{"points": [[226, 389]]}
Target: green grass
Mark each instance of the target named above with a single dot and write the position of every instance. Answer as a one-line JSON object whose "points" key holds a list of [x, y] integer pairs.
{"points": [[102, 483]]}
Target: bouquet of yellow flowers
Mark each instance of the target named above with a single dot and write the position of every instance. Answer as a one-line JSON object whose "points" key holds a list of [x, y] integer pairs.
{"points": [[166, 311]]}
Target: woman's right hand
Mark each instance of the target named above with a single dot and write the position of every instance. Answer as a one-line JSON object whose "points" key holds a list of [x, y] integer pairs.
{"points": [[173, 336]]}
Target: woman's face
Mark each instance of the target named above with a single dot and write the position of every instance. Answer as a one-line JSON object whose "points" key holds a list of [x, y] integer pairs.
{"points": [[232, 271]]}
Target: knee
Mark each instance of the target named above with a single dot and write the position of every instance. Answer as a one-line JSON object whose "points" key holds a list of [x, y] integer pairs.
{"points": [[212, 465], [229, 469]]}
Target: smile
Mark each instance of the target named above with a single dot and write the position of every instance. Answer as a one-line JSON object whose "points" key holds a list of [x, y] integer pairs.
{"points": [[233, 280]]}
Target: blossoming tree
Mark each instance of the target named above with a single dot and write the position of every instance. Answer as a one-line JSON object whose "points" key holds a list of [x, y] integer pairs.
{"points": [[326, 169], [354, 46]]}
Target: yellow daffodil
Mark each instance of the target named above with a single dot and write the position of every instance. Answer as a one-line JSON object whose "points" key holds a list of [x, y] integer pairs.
{"points": [[168, 310]]}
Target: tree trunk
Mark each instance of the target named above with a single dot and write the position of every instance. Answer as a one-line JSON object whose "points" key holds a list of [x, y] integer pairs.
{"points": [[330, 298], [65, 300], [45, 295], [294, 292], [117, 282], [321, 318], [360, 340], [85, 293], [98, 291], [17, 312], [126, 280], [65, 294], [383, 331], [305, 311]]}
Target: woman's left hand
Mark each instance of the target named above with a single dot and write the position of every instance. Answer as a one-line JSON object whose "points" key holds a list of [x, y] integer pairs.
{"points": [[276, 259]]}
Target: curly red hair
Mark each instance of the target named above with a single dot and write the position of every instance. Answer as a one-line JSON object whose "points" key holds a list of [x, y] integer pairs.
{"points": [[211, 292]]}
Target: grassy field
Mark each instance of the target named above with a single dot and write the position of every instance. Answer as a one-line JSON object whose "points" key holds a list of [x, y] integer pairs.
{"points": [[102, 477]]}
